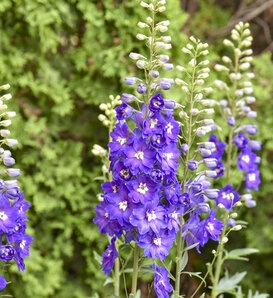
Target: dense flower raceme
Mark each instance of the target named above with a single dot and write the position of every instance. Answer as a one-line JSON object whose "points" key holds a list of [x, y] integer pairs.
{"points": [[14, 240], [144, 200]]}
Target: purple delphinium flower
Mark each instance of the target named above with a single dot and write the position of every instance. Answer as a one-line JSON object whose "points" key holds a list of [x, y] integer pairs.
{"points": [[219, 149], [240, 141], [153, 125], [246, 159], [161, 282], [6, 253], [212, 227], [8, 215], [220, 169], [156, 245], [3, 283], [193, 165], [108, 257], [253, 179], [156, 103], [124, 111], [120, 137], [171, 130], [148, 218], [141, 88], [168, 156], [139, 157], [227, 197]]}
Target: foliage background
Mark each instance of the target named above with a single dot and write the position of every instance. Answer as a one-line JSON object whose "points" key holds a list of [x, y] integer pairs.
{"points": [[63, 58]]}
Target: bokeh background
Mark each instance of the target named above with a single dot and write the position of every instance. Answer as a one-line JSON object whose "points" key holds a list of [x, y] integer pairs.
{"points": [[63, 58]]}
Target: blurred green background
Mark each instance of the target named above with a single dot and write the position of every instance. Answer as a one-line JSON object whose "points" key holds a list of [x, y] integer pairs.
{"points": [[63, 58]]}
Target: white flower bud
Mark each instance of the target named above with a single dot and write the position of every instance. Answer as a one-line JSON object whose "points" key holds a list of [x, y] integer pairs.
{"points": [[246, 32], [180, 82], [180, 68], [247, 52], [225, 239], [237, 228], [186, 51], [203, 76], [4, 133], [226, 59], [141, 64], [204, 63], [238, 204], [185, 89], [246, 43], [164, 23], [250, 99], [136, 56], [198, 96], [144, 4], [193, 39], [161, 8], [6, 97], [235, 76], [106, 122], [192, 62], [204, 53], [248, 90], [208, 111], [3, 107], [5, 123], [183, 114], [103, 107], [239, 93], [189, 46], [102, 117], [200, 82], [234, 215], [195, 112], [207, 90], [5, 87], [221, 85], [228, 43], [220, 67], [166, 38], [162, 2], [221, 206], [8, 114], [142, 25], [208, 102], [149, 20], [247, 59], [250, 75], [141, 36], [161, 28]]}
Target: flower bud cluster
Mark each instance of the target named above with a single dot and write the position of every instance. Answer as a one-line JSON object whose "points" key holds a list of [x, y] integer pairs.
{"points": [[15, 242]]}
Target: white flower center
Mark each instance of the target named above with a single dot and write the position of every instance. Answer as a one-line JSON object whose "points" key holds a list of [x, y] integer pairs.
{"points": [[252, 177], [167, 156], [228, 196], [245, 158], [153, 123], [22, 244], [142, 188], [3, 215], [157, 241], [115, 189], [157, 103], [139, 155], [125, 173], [151, 216], [169, 128], [106, 214], [174, 215], [122, 141], [211, 227], [123, 205]]}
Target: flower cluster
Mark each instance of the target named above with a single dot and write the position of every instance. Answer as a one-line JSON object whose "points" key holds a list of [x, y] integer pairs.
{"points": [[14, 240]]}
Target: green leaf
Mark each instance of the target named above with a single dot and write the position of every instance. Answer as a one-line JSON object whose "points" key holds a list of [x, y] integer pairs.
{"points": [[97, 257], [237, 254], [184, 261], [191, 246], [138, 293], [229, 283], [108, 280], [196, 274], [256, 295]]}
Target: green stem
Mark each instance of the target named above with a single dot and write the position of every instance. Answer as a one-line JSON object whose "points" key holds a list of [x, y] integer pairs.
{"points": [[188, 141], [117, 281], [135, 270]]}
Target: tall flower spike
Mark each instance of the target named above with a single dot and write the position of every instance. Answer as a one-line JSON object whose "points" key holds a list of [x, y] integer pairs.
{"points": [[15, 242]]}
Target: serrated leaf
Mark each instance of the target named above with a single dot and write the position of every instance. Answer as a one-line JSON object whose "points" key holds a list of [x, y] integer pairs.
{"points": [[229, 283], [184, 261]]}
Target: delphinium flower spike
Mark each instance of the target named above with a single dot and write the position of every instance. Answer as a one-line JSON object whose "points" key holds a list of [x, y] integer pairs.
{"points": [[143, 155], [237, 110], [201, 164], [14, 240]]}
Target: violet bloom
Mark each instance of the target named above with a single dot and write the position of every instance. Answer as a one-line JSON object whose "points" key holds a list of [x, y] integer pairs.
{"points": [[102, 220], [231, 121], [240, 141], [156, 246], [148, 218], [139, 157], [121, 208], [10, 189], [253, 179], [227, 197], [191, 231], [7, 253], [173, 194], [212, 227], [120, 137], [108, 257], [22, 246], [171, 130], [219, 149], [3, 283], [161, 282], [153, 125], [121, 171], [158, 141], [144, 190], [124, 111], [141, 88], [8, 215], [219, 169], [168, 157], [192, 165], [184, 148], [246, 160], [156, 103], [173, 219]]}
